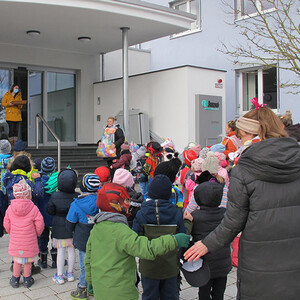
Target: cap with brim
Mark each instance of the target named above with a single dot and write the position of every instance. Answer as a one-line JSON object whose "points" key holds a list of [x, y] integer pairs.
{"points": [[196, 273]]}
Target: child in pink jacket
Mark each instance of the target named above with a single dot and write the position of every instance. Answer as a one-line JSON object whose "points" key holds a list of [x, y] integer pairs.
{"points": [[24, 223]]}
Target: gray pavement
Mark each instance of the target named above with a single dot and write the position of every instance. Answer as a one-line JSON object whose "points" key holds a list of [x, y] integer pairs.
{"points": [[44, 287]]}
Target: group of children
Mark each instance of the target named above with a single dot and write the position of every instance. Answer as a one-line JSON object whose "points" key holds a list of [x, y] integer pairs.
{"points": [[110, 224]]}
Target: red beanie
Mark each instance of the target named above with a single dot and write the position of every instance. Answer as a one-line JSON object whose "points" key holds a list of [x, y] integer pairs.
{"points": [[189, 156], [103, 174]]}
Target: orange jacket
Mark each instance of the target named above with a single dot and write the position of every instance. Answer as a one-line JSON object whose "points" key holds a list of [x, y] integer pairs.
{"points": [[13, 113], [230, 147]]}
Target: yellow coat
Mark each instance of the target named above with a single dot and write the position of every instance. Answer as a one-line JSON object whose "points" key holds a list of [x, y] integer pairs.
{"points": [[13, 113]]}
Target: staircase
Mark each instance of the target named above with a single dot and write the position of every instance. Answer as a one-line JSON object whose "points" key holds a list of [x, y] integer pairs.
{"points": [[81, 158]]}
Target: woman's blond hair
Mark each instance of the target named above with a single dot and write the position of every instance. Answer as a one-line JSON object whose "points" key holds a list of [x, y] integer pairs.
{"points": [[270, 124]]}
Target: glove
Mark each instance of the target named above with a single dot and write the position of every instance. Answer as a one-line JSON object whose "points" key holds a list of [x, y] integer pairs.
{"points": [[182, 239]]}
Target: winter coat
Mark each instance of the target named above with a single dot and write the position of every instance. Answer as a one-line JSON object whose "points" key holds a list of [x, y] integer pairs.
{"points": [[23, 222], [37, 188], [123, 161], [230, 142], [60, 202], [264, 203], [13, 113], [80, 219], [159, 212], [110, 263], [205, 220]]}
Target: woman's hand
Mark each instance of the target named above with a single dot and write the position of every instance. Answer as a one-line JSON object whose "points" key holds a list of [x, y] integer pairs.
{"points": [[10, 103], [35, 175], [196, 251], [188, 216]]}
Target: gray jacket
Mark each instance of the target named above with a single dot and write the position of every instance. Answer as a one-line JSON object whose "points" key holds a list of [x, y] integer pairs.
{"points": [[264, 203]]}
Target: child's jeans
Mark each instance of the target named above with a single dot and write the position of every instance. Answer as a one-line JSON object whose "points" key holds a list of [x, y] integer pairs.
{"points": [[214, 289], [144, 187], [154, 289], [82, 282]]}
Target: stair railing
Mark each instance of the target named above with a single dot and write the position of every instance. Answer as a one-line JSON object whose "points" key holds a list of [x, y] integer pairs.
{"points": [[37, 117]]}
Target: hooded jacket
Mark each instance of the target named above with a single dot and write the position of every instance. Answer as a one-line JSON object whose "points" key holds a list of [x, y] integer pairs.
{"points": [[80, 219], [23, 222], [159, 212], [264, 203], [12, 113], [60, 202]]}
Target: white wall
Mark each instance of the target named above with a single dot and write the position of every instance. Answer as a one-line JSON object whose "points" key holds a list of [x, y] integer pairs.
{"points": [[168, 97], [87, 67], [138, 62]]}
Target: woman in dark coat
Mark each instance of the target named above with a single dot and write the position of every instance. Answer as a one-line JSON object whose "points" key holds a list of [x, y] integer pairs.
{"points": [[263, 203]]}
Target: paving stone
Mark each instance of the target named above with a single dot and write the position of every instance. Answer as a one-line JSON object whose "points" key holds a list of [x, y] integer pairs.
{"points": [[38, 293]]}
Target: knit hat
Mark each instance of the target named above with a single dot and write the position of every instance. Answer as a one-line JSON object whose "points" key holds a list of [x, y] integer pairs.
{"points": [[211, 163], [140, 152], [168, 143], [5, 147], [103, 173], [221, 157], [203, 152], [218, 148], [248, 125], [169, 153], [189, 156], [168, 168], [160, 188], [90, 182], [196, 149], [22, 190], [208, 194], [37, 163], [154, 148], [125, 146], [19, 146], [48, 165], [197, 164], [123, 177], [21, 162]]}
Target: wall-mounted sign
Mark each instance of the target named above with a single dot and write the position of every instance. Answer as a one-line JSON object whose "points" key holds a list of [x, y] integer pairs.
{"points": [[209, 105], [218, 85]]}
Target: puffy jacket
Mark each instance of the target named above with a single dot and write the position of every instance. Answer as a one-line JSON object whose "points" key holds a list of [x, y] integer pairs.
{"points": [[23, 222], [159, 212], [37, 188], [264, 203], [80, 221], [60, 202], [13, 113], [123, 161]]}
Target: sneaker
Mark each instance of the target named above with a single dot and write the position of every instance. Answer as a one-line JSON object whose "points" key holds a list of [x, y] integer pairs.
{"points": [[28, 281], [69, 276], [14, 281], [59, 279], [79, 294]]}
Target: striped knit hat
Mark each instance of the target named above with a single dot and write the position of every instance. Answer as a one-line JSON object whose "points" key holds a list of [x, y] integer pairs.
{"points": [[90, 183]]}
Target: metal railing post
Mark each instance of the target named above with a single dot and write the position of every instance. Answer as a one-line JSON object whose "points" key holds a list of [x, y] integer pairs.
{"points": [[37, 117]]}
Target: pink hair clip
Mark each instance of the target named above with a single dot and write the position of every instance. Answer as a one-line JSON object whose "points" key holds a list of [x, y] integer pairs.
{"points": [[256, 104]]}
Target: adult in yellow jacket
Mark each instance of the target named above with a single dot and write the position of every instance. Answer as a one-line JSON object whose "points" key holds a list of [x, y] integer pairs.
{"points": [[13, 112]]}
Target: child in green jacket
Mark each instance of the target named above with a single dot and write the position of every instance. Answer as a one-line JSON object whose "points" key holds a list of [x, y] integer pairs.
{"points": [[112, 247]]}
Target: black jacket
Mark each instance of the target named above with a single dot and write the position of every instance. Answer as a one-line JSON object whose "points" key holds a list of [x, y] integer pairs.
{"points": [[60, 202], [264, 203], [119, 139]]}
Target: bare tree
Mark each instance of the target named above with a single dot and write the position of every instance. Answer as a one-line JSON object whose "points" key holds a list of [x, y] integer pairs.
{"points": [[269, 34]]}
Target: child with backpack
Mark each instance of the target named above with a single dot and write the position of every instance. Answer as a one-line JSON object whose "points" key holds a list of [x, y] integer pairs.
{"points": [[58, 207], [154, 152], [112, 247], [80, 222], [158, 216], [23, 222], [208, 196]]}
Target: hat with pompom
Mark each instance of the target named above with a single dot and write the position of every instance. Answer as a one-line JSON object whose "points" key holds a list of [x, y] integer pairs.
{"points": [[5, 147], [197, 164], [211, 163], [48, 165], [103, 173]]}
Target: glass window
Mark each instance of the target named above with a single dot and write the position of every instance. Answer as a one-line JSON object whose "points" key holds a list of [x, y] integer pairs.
{"points": [[250, 91], [270, 87], [248, 7], [6, 77]]}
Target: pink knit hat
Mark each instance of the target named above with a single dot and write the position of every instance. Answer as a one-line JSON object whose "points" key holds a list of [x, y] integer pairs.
{"points": [[123, 177], [196, 149], [197, 164], [22, 190]]}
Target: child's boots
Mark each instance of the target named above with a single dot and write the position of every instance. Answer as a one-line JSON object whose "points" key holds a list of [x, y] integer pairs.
{"points": [[43, 261], [28, 281], [54, 257], [79, 294], [14, 281]]}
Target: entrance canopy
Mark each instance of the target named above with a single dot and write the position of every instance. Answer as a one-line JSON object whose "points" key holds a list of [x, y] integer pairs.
{"points": [[62, 22]]}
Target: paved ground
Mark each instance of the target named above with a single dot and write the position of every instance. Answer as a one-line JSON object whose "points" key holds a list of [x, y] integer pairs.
{"points": [[45, 288]]}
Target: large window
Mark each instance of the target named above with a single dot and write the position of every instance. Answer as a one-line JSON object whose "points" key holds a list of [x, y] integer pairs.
{"points": [[260, 83], [246, 8], [190, 6]]}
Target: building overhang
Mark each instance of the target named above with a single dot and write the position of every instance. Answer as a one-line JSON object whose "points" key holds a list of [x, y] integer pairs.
{"points": [[62, 22]]}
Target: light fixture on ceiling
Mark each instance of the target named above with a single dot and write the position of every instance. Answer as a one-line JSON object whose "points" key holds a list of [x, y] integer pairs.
{"points": [[84, 39], [33, 32]]}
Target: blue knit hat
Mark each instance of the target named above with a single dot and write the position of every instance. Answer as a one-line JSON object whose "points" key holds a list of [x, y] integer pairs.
{"points": [[48, 165], [90, 183], [19, 146], [160, 188]]}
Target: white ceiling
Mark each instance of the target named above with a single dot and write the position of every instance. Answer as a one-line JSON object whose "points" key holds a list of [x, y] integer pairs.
{"points": [[62, 22]]}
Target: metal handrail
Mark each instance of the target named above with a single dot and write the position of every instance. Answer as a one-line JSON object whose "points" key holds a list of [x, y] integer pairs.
{"points": [[37, 117]]}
